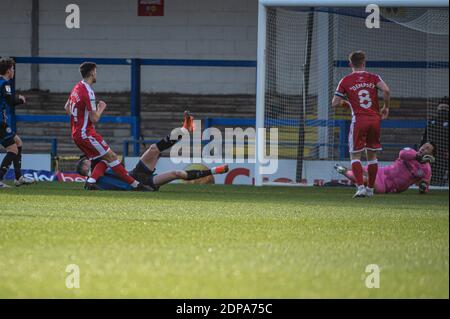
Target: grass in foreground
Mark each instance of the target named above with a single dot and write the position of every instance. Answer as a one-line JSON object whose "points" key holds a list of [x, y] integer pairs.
{"points": [[196, 241]]}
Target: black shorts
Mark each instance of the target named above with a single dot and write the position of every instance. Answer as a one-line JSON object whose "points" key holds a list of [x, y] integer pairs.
{"points": [[6, 135], [144, 175]]}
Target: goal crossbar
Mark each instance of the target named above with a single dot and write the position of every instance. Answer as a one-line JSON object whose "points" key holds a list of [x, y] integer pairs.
{"points": [[354, 3]]}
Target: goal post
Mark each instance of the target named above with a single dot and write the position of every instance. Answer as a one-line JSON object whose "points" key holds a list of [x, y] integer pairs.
{"points": [[301, 53]]}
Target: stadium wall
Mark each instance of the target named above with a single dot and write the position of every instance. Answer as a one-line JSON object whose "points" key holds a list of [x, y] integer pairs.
{"points": [[194, 29], [197, 29]]}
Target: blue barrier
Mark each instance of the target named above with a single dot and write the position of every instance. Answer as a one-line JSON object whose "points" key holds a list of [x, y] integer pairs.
{"points": [[127, 142], [133, 120], [147, 143], [210, 63], [224, 63], [343, 125], [135, 64], [398, 64], [66, 118], [232, 122], [55, 60], [135, 107]]}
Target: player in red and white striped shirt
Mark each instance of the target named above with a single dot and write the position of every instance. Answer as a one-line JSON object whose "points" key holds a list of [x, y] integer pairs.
{"points": [[84, 112], [359, 91]]}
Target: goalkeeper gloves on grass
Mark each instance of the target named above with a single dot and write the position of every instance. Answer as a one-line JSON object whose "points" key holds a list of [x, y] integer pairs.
{"points": [[423, 188]]}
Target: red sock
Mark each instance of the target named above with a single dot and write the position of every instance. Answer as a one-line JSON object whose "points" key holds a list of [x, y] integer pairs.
{"points": [[118, 168], [358, 172], [372, 170], [99, 170]]}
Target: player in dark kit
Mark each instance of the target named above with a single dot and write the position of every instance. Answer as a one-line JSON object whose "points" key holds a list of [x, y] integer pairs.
{"points": [[8, 138], [359, 91], [144, 171]]}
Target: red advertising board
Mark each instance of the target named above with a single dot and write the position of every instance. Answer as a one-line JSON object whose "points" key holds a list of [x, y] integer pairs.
{"points": [[150, 8]]}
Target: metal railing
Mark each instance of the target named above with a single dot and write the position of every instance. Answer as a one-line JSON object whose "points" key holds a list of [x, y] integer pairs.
{"points": [[135, 105], [343, 125]]}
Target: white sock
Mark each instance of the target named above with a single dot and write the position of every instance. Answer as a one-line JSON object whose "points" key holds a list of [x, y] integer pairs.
{"points": [[91, 180], [135, 184]]}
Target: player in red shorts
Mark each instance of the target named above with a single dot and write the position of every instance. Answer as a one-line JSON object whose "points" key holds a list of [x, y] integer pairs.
{"points": [[359, 91], [84, 113]]}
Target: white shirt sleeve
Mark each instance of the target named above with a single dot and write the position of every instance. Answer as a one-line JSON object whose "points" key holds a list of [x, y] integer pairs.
{"points": [[92, 100]]}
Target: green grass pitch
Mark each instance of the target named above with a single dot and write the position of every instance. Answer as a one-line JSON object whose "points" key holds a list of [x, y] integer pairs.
{"points": [[198, 241]]}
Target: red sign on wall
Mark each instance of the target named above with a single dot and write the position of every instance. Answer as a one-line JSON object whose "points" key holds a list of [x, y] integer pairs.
{"points": [[150, 8]]}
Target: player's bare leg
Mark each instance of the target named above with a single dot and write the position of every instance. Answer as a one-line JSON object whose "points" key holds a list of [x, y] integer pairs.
{"points": [[357, 170], [145, 168], [152, 154], [147, 163]]}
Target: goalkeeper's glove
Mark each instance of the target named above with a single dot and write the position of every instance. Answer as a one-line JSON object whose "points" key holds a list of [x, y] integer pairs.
{"points": [[423, 187], [426, 159]]}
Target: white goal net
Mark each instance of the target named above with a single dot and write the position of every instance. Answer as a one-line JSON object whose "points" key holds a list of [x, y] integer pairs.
{"points": [[302, 54]]}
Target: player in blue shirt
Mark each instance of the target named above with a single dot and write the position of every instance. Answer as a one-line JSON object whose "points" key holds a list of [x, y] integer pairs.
{"points": [[8, 138]]}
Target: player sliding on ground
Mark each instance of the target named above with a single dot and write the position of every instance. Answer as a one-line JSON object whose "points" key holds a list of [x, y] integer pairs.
{"points": [[83, 113], [411, 168], [359, 91], [144, 172]]}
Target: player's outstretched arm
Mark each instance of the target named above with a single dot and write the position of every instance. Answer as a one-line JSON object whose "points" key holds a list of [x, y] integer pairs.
{"points": [[152, 154], [20, 99], [67, 107], [386, 98], [10, 100], [407, 154]]}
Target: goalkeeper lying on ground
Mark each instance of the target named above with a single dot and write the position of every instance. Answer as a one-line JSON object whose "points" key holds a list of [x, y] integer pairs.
{"points": [[144, 172], [411, 167]]}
